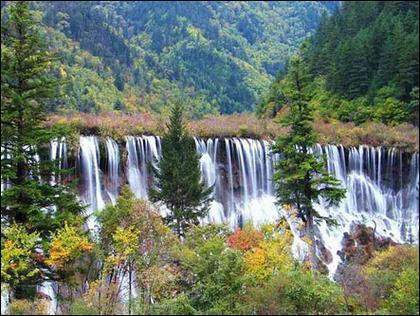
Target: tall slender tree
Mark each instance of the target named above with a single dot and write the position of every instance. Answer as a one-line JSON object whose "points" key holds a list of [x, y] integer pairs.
{"points": [[28, 198], [300, 177], [178, 178]]}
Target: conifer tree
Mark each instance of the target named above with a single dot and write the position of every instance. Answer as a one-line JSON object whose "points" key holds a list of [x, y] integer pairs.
{"points": [[301, 178], [178, 177], [27, 198]]}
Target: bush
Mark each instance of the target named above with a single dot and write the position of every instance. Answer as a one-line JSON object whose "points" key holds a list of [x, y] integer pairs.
{"points": [[387, 271], [391, 111], [404, 299], [296, 292], [27, 307], [80, 307], [180, 305]]}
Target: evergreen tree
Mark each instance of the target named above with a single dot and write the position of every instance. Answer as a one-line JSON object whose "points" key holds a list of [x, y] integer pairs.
{"points": [[27, 197], [119, 105], [300, 177], [178, 178], [357, 76]]}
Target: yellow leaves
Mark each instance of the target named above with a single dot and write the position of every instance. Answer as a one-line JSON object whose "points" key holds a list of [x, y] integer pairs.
{"points": [[195, 33], [62, 72], [17, 251], [126, 240], [8, 244], [393, 259], [160, 280], [67, 245], [307, 240], [271, 254], [255, 263]]}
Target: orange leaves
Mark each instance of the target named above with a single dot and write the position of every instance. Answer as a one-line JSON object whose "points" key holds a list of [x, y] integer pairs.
{"points": [[17, 264], [266, 251], [245, 239], [67, 245]]}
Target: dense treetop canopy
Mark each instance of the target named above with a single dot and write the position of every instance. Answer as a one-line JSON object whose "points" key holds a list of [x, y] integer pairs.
{"points": [[217, 56]]}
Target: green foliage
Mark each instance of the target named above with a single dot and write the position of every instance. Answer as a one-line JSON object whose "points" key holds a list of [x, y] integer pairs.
{"points": [[361, 52], [79, 307], [391, 111], [404, 299], [217, 271], [387, 271], [178, 177], [296, 293], [28, 199], [180, 305], [301, 177], [219, 56], [18, 263]]}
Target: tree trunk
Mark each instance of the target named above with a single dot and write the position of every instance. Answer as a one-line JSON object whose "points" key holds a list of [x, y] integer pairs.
{"points": [[312, 249], [129, 289]]}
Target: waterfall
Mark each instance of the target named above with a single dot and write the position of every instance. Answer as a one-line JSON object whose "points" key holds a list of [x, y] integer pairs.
{"points": [[91, 174], [141, 151], [58, 153], [382, 184], [113, 167]]}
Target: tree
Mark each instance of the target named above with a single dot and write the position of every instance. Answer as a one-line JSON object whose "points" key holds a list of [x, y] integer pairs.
{"points": [[217, 271], [18, 259], [300, 177], [134, 239], [404, 299], [28, 199], [178, 178], [119, 105], [384, 274]]}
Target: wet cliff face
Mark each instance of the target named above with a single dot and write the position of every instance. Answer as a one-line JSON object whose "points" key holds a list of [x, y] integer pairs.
{"points": [[382, 184]]}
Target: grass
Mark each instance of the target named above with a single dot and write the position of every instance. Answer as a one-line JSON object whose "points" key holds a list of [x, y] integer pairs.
{"points": [[117, 125]]}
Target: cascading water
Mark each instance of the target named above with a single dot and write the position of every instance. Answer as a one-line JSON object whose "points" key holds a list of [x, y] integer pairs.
{"points": [[113, 169], [141, 151], [58, 153], [382, 184], [91, 192]]}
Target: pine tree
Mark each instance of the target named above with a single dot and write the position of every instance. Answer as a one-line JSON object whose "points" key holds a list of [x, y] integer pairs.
{"points": [[300, 177], [357, 77], [408, 65], [27, 197], [178, 178]]}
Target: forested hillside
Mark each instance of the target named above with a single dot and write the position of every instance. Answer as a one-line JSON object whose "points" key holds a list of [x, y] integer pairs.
{"points": [[138, 56], [364, 64], [151, 205]]}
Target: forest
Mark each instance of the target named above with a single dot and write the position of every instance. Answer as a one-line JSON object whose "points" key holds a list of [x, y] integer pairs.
{"points": [[364, 63], [209, 158], [142, 56]]}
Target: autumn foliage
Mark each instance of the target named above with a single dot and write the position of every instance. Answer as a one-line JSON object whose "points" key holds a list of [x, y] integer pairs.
{"points": [[67, 245], [245, 239]]}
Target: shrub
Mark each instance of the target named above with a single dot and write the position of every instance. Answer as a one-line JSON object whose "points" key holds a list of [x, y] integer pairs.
{"points": [[404, 299], [296, 292], [384, 273]]}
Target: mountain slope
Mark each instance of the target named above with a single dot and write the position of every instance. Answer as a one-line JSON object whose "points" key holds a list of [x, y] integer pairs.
{"points": [[363, 62], [215, 56]]}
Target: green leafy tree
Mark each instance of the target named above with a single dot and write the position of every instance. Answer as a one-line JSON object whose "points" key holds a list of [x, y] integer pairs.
{"points": [[404, 299], [28, 199], [18, 257], [134, 238], [300, 177], [178, 178], [296, 292], [217, 277]]}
